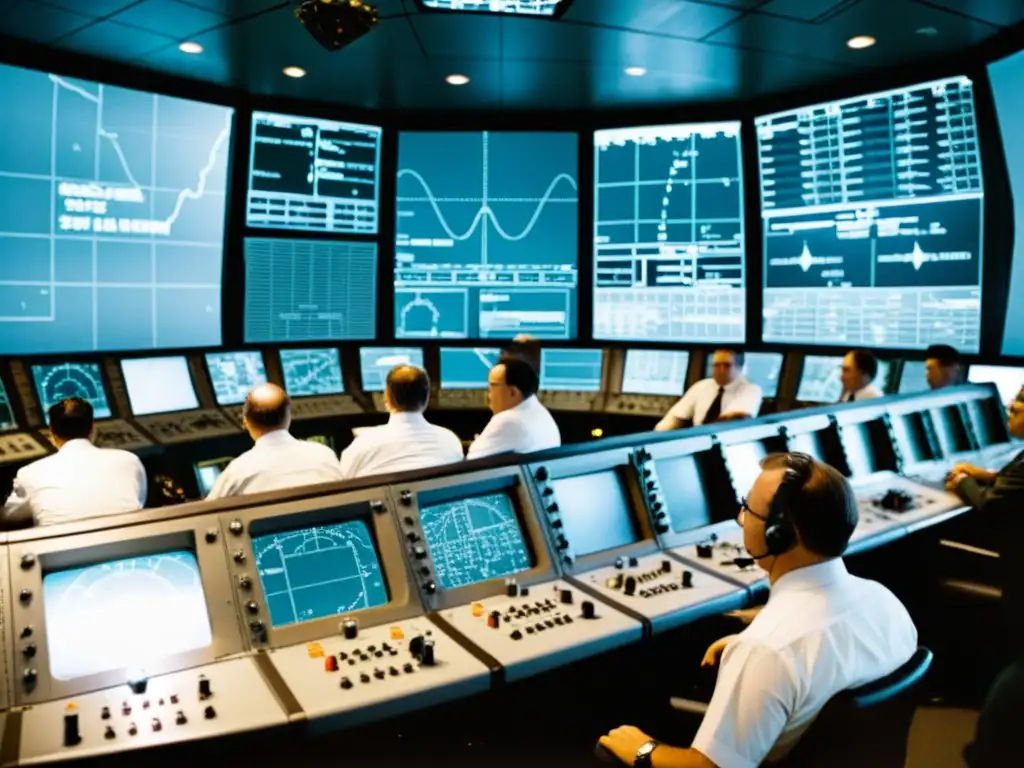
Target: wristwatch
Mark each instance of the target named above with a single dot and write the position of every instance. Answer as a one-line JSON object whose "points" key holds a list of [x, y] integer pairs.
{"points": [[643, 755]]}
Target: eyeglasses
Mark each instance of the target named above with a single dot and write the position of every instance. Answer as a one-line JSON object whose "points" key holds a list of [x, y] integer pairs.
{"points": [[744, 509]]}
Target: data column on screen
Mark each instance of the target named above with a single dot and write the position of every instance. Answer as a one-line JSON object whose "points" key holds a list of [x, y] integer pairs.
{"points": [[872, 212], [668, 233], [486, 235]]}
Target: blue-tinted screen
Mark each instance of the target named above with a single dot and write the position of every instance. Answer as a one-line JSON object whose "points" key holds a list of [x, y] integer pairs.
{"points": [[655, 372], [113, 231], [668, 233], [158, 384], [467, 367], [872, 213], [820, 382], [6, 411], [761, 368], [572, 370], [515, 7], [596, 512], [375, 362], [59, 381], [314, 174], [312, 372], [912, 378], [682, 490], [207, 473], [235, 374], [321, 571], [474, 539], [309, 290], [486, 235], [1008, 379]]}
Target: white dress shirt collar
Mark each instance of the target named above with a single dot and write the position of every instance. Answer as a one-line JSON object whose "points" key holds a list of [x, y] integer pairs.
{"points": [[78, 444], [274, 439], [407, 417], [811, 577]]}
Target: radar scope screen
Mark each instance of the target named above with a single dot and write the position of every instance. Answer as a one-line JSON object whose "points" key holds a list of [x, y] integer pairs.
{"points": [[57, 382]]}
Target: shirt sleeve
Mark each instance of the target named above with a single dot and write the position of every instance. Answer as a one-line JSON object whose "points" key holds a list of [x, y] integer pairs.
{"points": [[748, 400], [755, 695], [224, 486], [141, 481], [18, 506], [350, 460], [499, 436], [685, 408]]}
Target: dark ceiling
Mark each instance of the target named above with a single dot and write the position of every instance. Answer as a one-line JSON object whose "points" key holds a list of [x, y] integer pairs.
{"points": [[693, 50]]}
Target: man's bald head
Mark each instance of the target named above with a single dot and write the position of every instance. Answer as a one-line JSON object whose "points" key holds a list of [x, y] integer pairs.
{"points": [[267, 409], [407, 389]]}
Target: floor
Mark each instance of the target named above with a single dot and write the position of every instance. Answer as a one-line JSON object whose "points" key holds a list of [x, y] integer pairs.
{"points": [[938, 736]]}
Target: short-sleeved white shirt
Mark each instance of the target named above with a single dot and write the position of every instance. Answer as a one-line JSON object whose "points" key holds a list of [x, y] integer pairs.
{"points": [[740, 395]]}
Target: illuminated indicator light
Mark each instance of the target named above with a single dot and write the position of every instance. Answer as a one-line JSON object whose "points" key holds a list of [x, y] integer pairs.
{"points": [[190, 47], [397, 633], [478, 610], [596, 432], [294, 71], [456, 79], [635, 71], [860, 41]]}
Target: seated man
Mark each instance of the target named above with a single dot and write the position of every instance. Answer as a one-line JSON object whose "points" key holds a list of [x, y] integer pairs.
{"points": [[407, 441], [277, 460], [525, 347], [860, 368], [80, 480], [727, 395], [822, 631], [520, 423], [941, 366]]}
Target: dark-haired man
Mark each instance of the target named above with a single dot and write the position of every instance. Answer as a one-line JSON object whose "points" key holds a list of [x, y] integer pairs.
{"points": [[520, 424], [524, 347], [859, 370], [277, 460], [727, 395], [941, 366], [822, 631], [408, 440], [80, 480]]}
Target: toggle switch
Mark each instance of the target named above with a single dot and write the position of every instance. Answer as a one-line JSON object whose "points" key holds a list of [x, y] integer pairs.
{"points": [[204, 687], [666, 566], [72, 736], [687, 579], [629, 586], [587, 610], [330, 663], [565, 596]]}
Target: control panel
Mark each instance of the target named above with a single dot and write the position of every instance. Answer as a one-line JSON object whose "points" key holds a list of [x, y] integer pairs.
{"points": [[18, 447], [324, 407], [565, 400], [721, 552], [640, 405], [886, 499], [118, 433], [462, 399], [187, 426]]}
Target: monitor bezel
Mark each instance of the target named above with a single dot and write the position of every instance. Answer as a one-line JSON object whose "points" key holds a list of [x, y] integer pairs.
{"points": [[209, 375], [14, 426], [191, 379], [284, 379], [32, 363], [53, 554]]}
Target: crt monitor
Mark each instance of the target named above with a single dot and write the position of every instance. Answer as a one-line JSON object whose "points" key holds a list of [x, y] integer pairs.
{"points": [[59, 381], [683, 490], [235, 374], [912, 377], [159, 384], [208, 471], [318, 571], [655, 372], [128, 612], [475, 539], [820, 382], [467, 367], [376, 362], [761, 368], [7, 420], [596, 512], [571, 370], [1008, 379], [312, 372]]}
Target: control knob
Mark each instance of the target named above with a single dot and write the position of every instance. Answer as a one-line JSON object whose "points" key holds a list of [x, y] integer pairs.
{"points": [[429, 587], [238, 556], [350, 629], [71, 734], [252, 606], [405, 498], [666, 566], [27, 561], [419, 551], [26, 631], [29, 650], [236, 527], [29, 676], [633, 562], [511, 588], [656, 506], [552, 508], [204, 687], [25, 596], [541, 473], [548, 491], [705, 551], [244, 581], [629, 585], [211, 535], [494, 619], [565, 596], [427, 659], [562, 542], [587, 610], [377, 506], [687, 579], [661, 527], [258, 629]]}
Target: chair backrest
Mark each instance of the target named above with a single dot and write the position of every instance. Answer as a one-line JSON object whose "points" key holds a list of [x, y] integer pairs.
{"points": [[865, 726]]}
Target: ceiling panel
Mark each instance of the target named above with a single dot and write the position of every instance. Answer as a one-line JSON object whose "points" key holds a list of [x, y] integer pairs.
{"points": [[1001, 12], [95, 8], [806, 10], [169, 18], [661, 17], [458, 34], [115, 41], [40, 23], [234, 9]]}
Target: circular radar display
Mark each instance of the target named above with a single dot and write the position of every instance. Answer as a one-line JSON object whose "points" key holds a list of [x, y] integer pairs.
{"points": [[55, 383]]}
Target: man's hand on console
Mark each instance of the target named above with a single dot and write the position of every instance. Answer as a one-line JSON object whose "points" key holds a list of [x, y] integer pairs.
{"points": [[954, 479], [714, 651], [624, 741], [984, 476]]}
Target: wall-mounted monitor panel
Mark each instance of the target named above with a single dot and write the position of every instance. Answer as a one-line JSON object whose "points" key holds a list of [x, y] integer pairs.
{"points": [[117, 236], [872, 210], [313, 174], [668, 233], [571, 370], [7, 420], [762, 368], [234, 374], [1008, 379], [1006, 76], [309, 290], [375, 362], [510, 7], [467, 367], [310, 372], [158, 384], [820, 382], [486, 235], [655, 372], [912, 377], [59, 381]]}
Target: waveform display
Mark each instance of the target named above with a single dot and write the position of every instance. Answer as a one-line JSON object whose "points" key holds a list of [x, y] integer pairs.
{"points": [[872, 210], [668, 233], [486, 235], [113, 235], [313, 174]]}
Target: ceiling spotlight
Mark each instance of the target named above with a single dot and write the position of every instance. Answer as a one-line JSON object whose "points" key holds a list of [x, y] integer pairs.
{"points": [[190, 47], [928, 31], [635, 71], [294, 71], [860, 41], [456, 79]]}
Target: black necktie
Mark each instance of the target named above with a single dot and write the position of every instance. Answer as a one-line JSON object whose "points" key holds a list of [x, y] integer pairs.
{"points": [[716, 408]]}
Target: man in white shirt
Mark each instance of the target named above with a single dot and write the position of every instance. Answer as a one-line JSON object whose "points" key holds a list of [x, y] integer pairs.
{"points": [[80, 480], [860, 368], [822, 631], [408, 440], [277, 460], [727, 395], [520, 424], [942, 366]]}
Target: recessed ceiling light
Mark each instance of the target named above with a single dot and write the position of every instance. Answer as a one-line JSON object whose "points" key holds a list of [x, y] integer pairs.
{"points": [[295, 71], [928, 31], [635, 71], [190, 47], [860, 41], [456, 79]]}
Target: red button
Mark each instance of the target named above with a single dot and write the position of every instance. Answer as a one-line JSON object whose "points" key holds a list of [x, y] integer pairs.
{"points": [[330, 663]]}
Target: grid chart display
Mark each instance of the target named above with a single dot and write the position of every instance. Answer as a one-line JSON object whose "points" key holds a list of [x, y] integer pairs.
{"points": [[113, 234], [668, 233], [7, 420], [313, 174], [309, 290], [235, 374], [820, 382], [320, 571], [312, 372], [467, 367], [376, 362], [56, 382], [473, 540], [872, 214], [571, 370], [655, 372], [486, 237], [514, 7]]}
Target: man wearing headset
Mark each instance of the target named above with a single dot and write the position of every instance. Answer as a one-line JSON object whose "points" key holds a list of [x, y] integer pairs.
{"points": [[822, 631]]}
